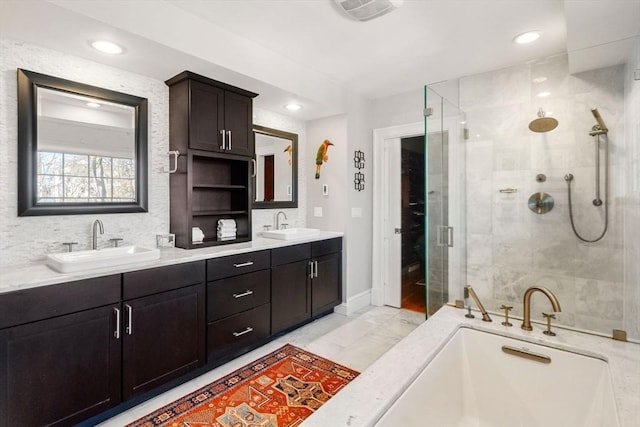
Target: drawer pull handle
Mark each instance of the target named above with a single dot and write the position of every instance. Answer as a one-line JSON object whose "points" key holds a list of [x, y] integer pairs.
{"points": [[244, 264], [246, 331], [244, 294]]}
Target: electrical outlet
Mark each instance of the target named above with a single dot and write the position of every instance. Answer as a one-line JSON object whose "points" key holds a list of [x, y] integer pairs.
{"points": [[317, 211]]}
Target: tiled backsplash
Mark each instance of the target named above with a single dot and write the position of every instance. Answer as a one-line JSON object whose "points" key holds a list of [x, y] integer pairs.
{"points": [[26, 239]]}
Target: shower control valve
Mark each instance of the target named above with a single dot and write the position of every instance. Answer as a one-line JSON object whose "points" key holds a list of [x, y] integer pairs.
{"points": [[507, 309]]}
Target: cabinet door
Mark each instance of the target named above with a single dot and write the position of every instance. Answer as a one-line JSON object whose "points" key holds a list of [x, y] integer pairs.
{"points": [[164, 337], [326, 287], [59, 371], [290, 295], [238, 120], [206, 117]]}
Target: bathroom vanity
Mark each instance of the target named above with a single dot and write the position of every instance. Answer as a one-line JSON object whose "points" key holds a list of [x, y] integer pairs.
{"points": [[75, 345]]}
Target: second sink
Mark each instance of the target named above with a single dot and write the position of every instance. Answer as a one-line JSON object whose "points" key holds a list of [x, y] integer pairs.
{"points": [[291, 233]]}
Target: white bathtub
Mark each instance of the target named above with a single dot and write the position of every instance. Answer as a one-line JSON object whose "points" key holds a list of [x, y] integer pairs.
{"points": [[472, 382]]}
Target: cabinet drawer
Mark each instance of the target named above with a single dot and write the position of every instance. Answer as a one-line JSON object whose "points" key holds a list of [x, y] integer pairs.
{"points": [[227, 266], [236, 334], [289, 254], [44, 302], [140, 283], [236, 294], [324, 247]]}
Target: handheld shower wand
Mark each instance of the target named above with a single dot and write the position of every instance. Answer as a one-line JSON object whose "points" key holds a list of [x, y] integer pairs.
{"points": [[598, 129]]}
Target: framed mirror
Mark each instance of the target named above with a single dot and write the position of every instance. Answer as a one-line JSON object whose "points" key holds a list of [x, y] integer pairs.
{"points": [[81, 149], [276, 168]]}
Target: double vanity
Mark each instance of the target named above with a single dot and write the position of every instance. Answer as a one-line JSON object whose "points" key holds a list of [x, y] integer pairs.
{"points": [[74, 345]]}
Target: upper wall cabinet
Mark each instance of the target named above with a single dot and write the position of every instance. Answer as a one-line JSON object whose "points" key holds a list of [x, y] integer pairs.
{"points": [[209, 115]]}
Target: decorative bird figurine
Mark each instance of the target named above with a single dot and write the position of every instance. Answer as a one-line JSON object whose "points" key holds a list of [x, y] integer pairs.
{"points": [[288, 150], [322, 156]]}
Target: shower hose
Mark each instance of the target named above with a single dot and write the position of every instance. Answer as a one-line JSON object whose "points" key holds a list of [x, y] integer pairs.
{"points": [[596, 201]]}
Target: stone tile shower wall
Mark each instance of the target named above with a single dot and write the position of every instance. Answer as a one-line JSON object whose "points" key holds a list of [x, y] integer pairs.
{"points": [[24, 239], [511, 248]]}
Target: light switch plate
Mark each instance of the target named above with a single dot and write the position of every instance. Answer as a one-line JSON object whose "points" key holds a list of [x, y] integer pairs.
{"points": [[317, 211], [356, 212]]}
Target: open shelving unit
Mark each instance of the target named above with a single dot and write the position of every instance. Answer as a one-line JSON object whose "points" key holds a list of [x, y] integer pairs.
{"points": [[208, 187]]}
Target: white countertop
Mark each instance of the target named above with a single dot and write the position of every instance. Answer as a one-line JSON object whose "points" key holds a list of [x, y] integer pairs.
{"points": [[368, 397], [25, 276]]}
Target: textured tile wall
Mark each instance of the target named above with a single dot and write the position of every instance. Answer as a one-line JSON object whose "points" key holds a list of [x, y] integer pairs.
{"points": [[29, 239], [25, 239], [511, 248]]}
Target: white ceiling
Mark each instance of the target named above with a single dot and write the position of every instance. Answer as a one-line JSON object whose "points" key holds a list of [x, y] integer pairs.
{"points": [[307, 50]]}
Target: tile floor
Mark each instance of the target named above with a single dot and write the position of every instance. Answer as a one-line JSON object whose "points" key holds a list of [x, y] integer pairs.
{"points": [[355, 341]]}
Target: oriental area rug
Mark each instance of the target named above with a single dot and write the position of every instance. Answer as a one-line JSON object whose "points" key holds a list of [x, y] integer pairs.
{"points": [[280, 389]]}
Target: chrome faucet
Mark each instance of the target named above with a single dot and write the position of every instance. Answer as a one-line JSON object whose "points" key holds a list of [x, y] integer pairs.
{"points": [[526, 321], [97, 223], [485, 315], [278, 225]]}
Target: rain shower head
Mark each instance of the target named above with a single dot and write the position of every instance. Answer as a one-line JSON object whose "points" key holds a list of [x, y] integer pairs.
{"points": [[543, 124]]}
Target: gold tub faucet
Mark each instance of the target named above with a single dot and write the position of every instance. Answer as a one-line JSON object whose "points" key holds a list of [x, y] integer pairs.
{"points": [[526, 321]]}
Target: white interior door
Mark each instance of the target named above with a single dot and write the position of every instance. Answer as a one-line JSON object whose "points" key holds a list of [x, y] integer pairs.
{"points": [[393, 222]]}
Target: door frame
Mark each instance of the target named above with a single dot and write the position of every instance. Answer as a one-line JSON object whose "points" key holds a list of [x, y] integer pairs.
{"points": [[379, 267]]}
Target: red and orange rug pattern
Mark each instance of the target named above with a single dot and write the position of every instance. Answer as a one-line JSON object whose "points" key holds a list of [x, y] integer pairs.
{"points": [[280, 389]]}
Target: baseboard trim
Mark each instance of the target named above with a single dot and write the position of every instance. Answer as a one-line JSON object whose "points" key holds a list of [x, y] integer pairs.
{"points": [[354, 303]]}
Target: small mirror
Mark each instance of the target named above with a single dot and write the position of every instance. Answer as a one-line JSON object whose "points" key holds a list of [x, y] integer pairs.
{"points": [[81, 149], [276, 168]]}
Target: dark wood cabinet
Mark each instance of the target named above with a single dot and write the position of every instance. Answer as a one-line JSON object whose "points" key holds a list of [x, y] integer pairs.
{"points": [[326, 285], [71, 351], [171, 325], [306, 281], [211, 126], [163, 314], [290, 295], [58, 365], [206, 114], [238, 309]]}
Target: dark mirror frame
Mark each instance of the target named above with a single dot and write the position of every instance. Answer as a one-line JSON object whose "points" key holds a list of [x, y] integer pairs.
{"points": [[293, 137], [28, 83]]}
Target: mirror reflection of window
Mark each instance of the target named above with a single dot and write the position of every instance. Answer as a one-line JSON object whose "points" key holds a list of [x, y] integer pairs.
{"points": [[86, 149]]}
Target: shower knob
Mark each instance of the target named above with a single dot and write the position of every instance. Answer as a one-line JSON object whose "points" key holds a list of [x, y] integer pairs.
{"points": [[540, 203], [568, 177]]}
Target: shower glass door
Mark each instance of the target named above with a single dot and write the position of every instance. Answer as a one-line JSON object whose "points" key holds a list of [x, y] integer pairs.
{"points": [[445, 230]]}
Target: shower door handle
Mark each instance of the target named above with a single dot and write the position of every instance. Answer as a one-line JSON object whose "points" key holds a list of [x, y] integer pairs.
{"points": [[439, 233]]}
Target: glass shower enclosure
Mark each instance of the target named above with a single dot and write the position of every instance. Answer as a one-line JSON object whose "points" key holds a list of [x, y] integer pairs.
{"points": [[445, 212]]}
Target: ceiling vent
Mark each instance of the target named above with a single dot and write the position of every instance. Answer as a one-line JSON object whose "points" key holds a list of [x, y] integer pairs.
{"points": [[365, 10]]}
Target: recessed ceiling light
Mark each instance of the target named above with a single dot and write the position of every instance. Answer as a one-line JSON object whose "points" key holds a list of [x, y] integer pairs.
{"points": [[543, 94], [93, 105], [540, 79], [528, 37], [105, 46], [293, 107]]}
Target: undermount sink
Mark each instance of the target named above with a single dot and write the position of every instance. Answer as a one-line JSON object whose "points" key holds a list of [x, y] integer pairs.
{"points": [[291, 233], [70, 262]]}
